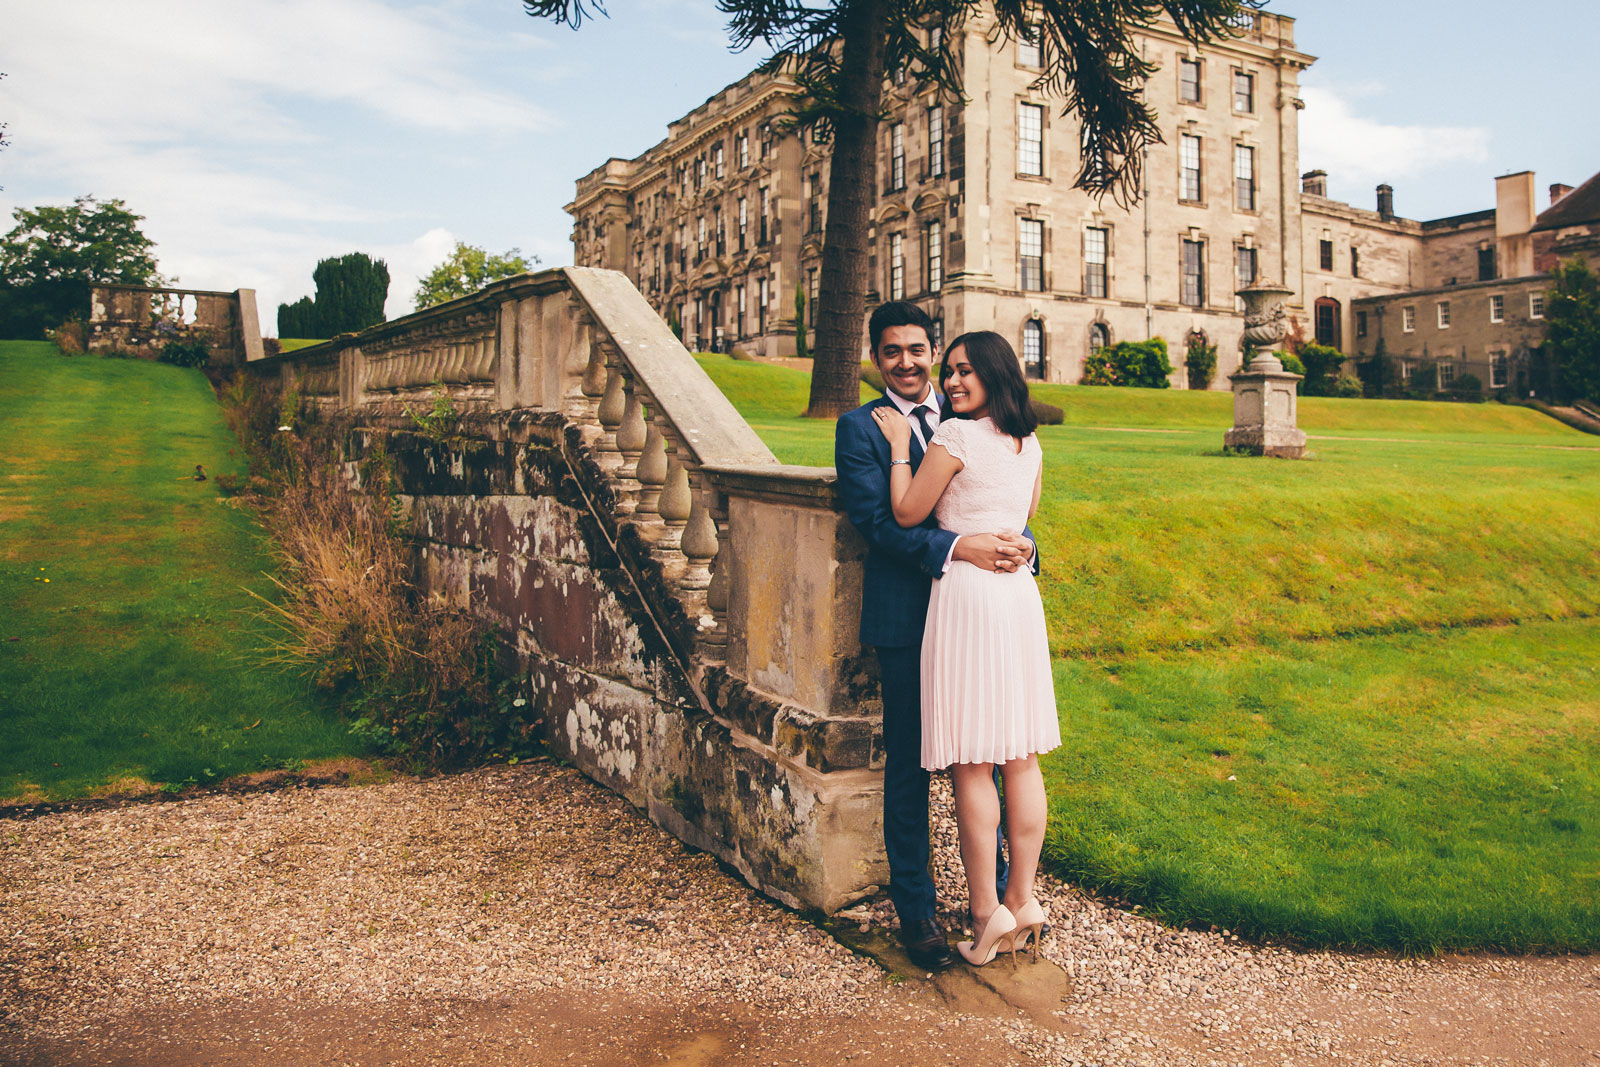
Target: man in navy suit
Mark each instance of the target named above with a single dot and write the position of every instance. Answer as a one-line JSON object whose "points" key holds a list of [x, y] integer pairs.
{"points": [[900, 569]]}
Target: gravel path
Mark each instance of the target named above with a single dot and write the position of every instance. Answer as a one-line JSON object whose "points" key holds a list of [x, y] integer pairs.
{"points": [[525, 915]]}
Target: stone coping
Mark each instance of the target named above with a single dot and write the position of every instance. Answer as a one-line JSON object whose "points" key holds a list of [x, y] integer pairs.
{"points": [[815, 487], [679, 387], [704, 419]]}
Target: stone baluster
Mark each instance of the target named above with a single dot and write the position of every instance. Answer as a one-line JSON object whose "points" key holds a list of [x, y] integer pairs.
{"points": [[675, 505], [613, 405], [652, 475], [483, 360], [699, 543], [456, 372], [631, 437], [583, 405], [715, 639]]}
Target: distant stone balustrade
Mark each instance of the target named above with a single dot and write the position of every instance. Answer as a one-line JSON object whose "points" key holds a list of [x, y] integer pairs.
{"points": [[682, 607]]}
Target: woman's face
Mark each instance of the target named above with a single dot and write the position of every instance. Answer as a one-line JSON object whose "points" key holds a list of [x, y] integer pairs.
{"points": [[961, 385]]}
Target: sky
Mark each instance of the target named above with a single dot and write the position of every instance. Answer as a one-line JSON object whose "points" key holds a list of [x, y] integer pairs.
{"points": [[256, 138]]}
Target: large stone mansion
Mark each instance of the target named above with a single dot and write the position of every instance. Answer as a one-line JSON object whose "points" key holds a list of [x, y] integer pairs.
{"points": [[977, 220]]}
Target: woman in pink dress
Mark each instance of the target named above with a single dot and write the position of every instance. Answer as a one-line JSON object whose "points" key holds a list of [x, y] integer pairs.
{"points": [[988, 699]]}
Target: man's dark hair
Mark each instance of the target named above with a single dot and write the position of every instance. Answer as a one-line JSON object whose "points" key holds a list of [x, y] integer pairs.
{"points": [[897, 313], [995, 363]]}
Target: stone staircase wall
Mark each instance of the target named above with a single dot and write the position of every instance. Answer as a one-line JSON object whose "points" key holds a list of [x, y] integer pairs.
{"points": [[682, 607]]}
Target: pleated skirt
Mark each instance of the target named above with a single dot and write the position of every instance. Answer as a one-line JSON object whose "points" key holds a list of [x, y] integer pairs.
{"points": [[987, 691]]}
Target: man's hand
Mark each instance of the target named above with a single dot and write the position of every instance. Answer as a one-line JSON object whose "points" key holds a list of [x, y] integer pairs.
{"points": [[1004, 551]]}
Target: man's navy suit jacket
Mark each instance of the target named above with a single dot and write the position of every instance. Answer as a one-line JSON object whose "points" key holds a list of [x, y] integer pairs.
{"points": [[901, 563]]}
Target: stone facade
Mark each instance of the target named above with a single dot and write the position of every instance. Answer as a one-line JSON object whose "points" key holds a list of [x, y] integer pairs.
{"points": [[608, 509], [976, 218], [140, 320]]}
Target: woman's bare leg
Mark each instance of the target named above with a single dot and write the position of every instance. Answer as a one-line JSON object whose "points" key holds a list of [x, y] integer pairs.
{"points": [[1026, 812], [977, 820]]}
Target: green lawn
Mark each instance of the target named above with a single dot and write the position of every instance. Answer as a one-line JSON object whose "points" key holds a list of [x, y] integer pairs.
{"points": [[126, 639], [1391, 648]]}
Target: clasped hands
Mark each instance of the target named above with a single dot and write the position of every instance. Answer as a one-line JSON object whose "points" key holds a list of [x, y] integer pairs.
{"points": [[1005, 550]]}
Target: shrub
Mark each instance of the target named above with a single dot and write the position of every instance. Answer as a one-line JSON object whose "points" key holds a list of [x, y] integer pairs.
{"points": [[1291, 363], [1141, 364], [871, 375], [1424, 381], [1321, 363], [418, 676], [69, 337], [1468, 387], [1201, 362], [191, 353], [1047, 414], [1347, 385]]}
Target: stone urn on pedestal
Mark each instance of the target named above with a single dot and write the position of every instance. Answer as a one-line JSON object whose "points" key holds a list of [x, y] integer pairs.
{"points": [[1264, 409]]}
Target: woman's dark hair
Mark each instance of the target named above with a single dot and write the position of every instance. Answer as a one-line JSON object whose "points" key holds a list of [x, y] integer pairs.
{"points": [[995, 362]]}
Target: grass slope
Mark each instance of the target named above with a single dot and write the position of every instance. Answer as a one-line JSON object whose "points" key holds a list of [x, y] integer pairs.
{"points": [[132, 660], [1390, 649]]}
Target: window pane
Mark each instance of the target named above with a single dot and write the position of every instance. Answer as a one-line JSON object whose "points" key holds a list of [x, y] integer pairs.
{"points": [[1033, 348], [1189, 81], [1030, 139], [1408, 319], [897, 267], [1189, 154], [1094, 256], [1029, 53], [936, 141], [1244, 267], [1193, 273], [935, 257], [1030, 245], [1244, 92], [1244, 178]]}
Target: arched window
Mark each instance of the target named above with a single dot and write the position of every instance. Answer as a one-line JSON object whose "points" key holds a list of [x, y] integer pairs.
{"points": [[1326, 312], [1099, 336], [1033, 348]]}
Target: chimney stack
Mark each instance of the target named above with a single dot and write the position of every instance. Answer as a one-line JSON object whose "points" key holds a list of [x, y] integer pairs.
{"points": [[1557, 191], [1386, 201], [1314, 183]]}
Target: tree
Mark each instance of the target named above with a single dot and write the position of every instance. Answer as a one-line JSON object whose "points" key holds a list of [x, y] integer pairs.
{"points": [[468, 269], [840, 52], [351, 290], [1140, 364], [54, 254], [298, 319], [1572, 340]]}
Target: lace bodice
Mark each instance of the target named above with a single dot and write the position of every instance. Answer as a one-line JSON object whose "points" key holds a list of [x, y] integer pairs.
{"points": [[994, 488]]}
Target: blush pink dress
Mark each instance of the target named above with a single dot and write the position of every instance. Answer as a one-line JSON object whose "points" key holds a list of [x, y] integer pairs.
{"points": [[987, 691]]}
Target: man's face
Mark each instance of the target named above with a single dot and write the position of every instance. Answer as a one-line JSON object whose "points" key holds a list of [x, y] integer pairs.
{"points": [[904, 357]]}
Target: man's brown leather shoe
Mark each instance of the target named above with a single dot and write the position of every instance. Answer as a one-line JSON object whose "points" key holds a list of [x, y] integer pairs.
{"points": [[924, 942]]}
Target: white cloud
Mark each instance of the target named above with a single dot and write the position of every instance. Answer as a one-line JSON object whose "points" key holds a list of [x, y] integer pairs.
{"points": [[203, 117], [1353, 148]]}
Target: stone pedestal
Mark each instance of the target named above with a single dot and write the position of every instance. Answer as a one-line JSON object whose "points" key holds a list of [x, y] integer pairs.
{"points": [[1264, 411], [1264, 408]]}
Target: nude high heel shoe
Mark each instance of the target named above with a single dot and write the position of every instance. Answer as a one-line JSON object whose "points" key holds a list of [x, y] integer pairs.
{"points": [[1030, 927], [978, 953]]}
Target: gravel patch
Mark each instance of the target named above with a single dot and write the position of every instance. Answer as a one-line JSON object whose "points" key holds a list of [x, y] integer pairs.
{"points": [[531, 881]]}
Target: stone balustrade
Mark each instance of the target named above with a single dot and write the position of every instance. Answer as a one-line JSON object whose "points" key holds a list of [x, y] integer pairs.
{"points": [[683, 607]]}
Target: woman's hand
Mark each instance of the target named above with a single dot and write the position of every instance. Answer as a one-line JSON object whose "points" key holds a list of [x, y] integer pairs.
{"points": [[895, 427]]}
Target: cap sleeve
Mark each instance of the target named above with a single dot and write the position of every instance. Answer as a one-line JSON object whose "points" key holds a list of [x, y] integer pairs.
{"points": [[952, 434]]}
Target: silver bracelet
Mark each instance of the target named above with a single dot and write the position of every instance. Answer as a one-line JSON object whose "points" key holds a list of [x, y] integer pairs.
{"points": [[892, 462]]}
